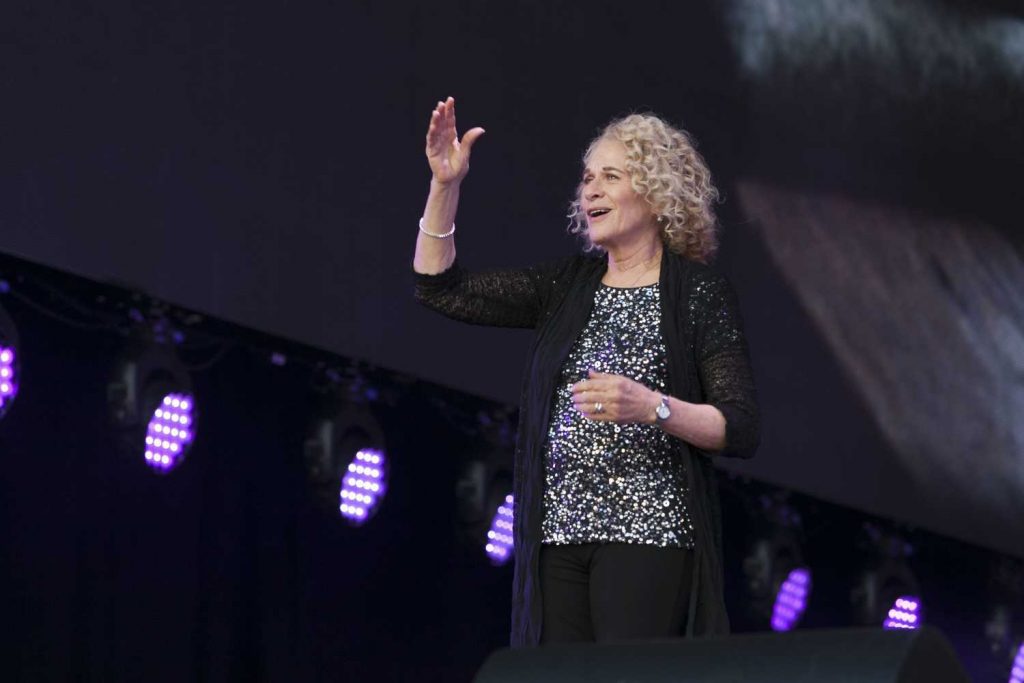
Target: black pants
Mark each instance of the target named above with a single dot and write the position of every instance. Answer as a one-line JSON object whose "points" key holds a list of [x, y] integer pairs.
{"points": [[613, 591]]}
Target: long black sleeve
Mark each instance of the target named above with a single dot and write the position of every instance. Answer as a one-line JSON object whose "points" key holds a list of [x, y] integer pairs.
{"points": [[723, 362], [501, 298]]}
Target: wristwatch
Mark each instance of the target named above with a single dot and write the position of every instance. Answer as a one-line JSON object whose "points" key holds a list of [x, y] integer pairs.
{"points": [[662, 412]]}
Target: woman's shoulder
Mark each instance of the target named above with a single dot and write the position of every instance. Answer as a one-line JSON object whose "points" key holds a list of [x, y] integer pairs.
{"points": [[700, 275], [708, 288]]}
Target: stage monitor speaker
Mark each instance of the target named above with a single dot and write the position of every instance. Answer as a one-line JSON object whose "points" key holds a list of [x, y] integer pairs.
{"points": [[826, 656]]}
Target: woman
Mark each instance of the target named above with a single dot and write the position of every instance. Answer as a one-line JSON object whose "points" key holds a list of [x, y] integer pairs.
{"points": [[638, 377]]}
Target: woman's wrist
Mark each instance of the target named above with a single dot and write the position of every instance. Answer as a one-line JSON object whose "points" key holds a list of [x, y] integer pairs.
{"points": [[652, 414], [442, 204], [444, 186]]}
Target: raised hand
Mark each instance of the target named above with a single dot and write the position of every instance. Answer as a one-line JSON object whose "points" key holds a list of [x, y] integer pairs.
{"points": [[447, 155]]}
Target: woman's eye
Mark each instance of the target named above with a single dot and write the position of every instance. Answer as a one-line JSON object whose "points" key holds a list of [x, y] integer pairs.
{"points": [[612, 176]]}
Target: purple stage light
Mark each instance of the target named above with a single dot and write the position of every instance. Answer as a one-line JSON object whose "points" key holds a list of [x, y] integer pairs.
{"points": [[1017, 672], [791, 600], [170, 432], [499, 537], [904, 613], [8, 376], [363, 485]]}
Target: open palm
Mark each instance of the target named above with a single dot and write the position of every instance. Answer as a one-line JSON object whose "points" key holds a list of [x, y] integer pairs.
{"points": [[447, 155]]}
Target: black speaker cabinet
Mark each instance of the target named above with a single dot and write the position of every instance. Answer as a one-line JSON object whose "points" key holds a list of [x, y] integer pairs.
{"points": [[827, 656]]}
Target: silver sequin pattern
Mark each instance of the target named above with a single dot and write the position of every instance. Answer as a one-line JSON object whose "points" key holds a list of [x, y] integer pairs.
{"points": [[605, 482]]}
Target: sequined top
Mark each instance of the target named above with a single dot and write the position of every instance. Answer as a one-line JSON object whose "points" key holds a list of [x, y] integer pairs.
{"points": [[606, 482]]}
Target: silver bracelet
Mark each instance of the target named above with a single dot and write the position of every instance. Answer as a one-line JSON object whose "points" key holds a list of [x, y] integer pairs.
{"points": [[434, 234]]}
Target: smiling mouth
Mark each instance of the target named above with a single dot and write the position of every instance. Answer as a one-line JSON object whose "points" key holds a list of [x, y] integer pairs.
{"points": [[597, 213]]}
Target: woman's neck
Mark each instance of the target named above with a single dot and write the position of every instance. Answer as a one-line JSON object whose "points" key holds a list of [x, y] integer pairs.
{"points": [[634, 266]]}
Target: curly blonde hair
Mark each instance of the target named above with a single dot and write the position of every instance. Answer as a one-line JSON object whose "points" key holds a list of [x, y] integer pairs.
{"points": [[668, 172]]}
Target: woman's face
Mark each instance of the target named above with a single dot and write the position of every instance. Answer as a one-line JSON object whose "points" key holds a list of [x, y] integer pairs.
{"points": [[616, 215]]}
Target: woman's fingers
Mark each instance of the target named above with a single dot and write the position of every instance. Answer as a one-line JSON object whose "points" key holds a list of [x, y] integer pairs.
{"points": [[440, 132], [446, 114], [622, 399], [585, 401], [439, 116], [471, 137], [604, 384], [447, 155], [432, 130], [607, 412]]}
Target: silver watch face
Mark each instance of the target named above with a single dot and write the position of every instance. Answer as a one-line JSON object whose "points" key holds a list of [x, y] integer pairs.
{"points": [[662, 411]]}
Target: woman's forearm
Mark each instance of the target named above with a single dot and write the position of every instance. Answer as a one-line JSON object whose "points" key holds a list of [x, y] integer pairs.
{"points": [[699, 424], [435, 255]]}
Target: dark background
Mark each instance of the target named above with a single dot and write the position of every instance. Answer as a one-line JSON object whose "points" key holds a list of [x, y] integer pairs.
{"points": [[225, 569], [262, 163]]}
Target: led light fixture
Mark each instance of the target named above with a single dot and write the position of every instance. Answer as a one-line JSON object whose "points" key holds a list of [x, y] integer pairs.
{"points": [[1017, 668], [346, 460], [887, 593], [499, 536], [152, 405], [10, 367], [791, 599], [777, 579]]}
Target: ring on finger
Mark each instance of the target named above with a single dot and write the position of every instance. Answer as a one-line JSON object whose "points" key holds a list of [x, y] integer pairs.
{"points": [[598, 407]]}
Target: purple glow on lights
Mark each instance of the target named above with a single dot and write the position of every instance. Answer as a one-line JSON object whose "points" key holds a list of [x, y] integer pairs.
{"points": [[1017, 672], [791, 600], [363, 485], [499, 537], [904, 613], [170, 432], [8, 381]]}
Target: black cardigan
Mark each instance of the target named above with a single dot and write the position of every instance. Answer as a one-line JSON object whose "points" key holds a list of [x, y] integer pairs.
{"points": [[707, 363]]}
